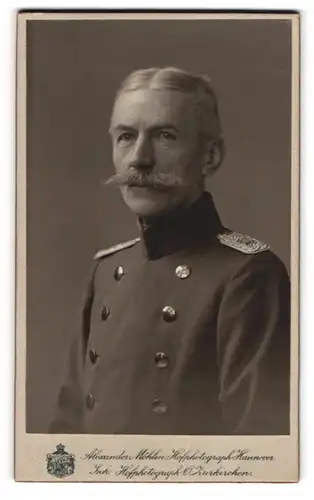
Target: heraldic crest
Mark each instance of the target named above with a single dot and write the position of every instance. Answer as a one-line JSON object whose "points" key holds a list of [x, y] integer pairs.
{"points": [[60, 463]]}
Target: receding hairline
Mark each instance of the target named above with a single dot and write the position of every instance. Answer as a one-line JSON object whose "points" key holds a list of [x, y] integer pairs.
{"points": [[156, 89], [167, 78]]}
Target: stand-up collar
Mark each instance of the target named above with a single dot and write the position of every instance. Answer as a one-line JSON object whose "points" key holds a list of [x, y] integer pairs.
{"points": [[183, 228]]}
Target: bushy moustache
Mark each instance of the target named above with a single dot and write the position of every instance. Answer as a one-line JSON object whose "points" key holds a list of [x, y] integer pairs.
{"points": [[133, 178]]}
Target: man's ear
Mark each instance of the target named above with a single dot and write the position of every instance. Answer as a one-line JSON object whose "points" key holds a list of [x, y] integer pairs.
{"points": [[214, 156]]}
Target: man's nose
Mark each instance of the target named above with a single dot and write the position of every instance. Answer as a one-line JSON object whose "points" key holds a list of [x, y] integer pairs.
{"points": [[143, 154]]}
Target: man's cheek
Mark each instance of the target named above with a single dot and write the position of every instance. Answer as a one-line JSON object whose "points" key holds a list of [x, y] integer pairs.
{"points": [[168, 158], [120, 159], [179, 163]]}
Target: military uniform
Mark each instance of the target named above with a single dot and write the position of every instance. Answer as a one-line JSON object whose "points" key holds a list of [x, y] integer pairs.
{"points": [[185, 330]]}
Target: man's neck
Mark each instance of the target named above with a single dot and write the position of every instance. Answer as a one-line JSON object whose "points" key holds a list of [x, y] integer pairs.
{"points": [[184, 205], [184, 227]]}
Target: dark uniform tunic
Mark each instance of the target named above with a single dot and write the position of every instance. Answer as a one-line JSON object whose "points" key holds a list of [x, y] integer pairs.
{"points": [[185, 331]]}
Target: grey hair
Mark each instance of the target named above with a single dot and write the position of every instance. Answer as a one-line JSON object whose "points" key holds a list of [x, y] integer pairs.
{"points": [[177, 79]]}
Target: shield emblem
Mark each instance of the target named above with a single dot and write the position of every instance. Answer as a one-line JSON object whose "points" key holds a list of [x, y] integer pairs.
{"points": [[60, 463]]}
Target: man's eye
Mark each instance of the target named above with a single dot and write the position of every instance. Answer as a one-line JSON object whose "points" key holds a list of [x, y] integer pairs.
{"points": [[125, 137], [162, 134]]}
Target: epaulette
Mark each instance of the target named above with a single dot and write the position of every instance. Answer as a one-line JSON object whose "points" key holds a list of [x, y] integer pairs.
{"points": [[242, 242], [116, 248]]}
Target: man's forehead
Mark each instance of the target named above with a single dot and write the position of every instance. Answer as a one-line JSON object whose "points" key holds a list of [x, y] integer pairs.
{"points": [[169, 106]]}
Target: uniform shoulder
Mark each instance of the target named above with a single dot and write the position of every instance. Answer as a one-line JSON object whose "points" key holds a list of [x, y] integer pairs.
{"points": [[115, 248], [241, 242], [257, 258]]}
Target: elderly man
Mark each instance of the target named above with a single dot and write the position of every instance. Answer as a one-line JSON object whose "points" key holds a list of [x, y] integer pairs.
{"points": [[185, 329]]}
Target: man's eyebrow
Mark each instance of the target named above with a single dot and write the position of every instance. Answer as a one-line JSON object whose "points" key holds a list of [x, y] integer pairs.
{"points": [[121, 126], [157, 126], [165, 125]]}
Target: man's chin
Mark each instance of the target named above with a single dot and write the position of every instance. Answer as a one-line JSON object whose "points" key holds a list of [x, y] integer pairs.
{"points": [[147, 201]]}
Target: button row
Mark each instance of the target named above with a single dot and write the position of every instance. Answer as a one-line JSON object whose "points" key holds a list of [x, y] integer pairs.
{"points": [[161, 359], [158, 406], [168, 313], [181, 271]]}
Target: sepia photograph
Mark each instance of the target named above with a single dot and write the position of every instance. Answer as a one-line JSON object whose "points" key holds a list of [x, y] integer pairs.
{"points": [[157, 247]]}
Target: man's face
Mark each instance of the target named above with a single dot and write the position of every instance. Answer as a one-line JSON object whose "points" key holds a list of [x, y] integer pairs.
{"points": [[156, 150]]}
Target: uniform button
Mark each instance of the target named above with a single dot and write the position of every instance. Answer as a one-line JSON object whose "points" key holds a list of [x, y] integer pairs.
{"points": [[118, 273], [105, 313], [169, 314], [93, 356], [161, 360], [159, 406], [183, 271], [90, 401]]}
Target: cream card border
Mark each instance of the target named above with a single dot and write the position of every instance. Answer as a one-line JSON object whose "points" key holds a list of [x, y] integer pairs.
{"points": [[31, 449]]}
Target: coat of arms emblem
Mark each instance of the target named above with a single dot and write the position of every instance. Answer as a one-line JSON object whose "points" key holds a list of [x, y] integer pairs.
{"points": [[60, 463]]}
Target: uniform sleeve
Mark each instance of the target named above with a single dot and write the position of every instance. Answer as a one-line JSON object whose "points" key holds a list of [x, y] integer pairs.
{"points": [[68, 418], [253, 348]]}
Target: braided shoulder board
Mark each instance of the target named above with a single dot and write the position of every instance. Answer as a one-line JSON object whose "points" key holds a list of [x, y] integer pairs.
{"points": [[242, 242]]}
